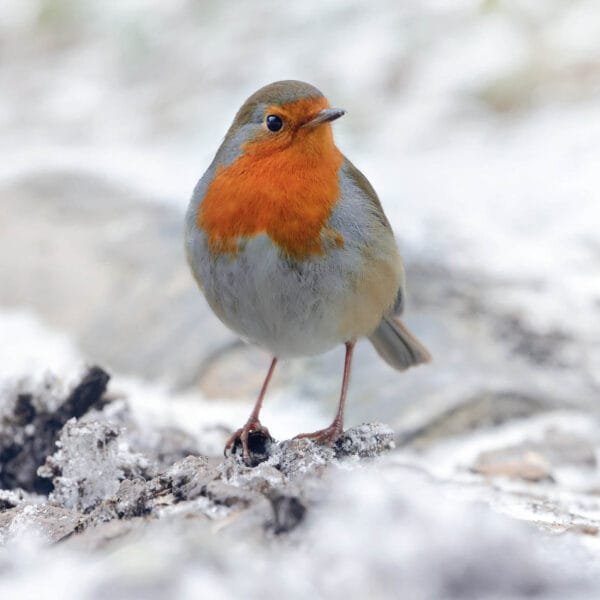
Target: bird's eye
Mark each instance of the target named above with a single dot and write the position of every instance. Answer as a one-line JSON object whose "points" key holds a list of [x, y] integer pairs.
{"points": [[274, 123]]}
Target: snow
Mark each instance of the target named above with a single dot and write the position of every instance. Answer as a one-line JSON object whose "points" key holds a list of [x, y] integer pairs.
{"points": [[90, 464], [30, 348]]}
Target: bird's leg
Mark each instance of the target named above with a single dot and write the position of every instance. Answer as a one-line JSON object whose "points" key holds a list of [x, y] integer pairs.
{"points": [[330, 434], [253, 423]]}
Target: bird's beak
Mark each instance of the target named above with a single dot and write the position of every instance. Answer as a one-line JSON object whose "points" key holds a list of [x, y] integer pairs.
{"points": [[325, 116]]}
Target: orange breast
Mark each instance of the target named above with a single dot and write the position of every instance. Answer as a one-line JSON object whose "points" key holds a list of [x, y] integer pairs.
{"points": [[288, 194]]}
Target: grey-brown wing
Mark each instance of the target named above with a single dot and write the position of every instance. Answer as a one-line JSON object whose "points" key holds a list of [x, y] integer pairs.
{"points": [[363, 184]]}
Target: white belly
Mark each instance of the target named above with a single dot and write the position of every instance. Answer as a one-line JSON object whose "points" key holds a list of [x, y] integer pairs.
{"points": [[291, 309]]}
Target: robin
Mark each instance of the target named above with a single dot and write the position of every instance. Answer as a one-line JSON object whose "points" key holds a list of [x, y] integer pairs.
{"points": [[289, 243]]}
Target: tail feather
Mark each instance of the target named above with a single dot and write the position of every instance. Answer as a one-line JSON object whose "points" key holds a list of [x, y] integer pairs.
{"points": [[397, 345]]}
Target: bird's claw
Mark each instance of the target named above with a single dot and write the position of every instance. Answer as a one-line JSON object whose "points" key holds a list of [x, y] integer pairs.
{"points": [[241, 436], [325, 437]]}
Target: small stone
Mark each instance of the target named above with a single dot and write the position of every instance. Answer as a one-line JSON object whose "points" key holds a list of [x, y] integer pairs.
{"points": [[529, 466], [484, 410], [367, 440], [131, 500], [585, 529], [186, 479], [224, 494], [288, 512], [297, 457], [48, 523]]}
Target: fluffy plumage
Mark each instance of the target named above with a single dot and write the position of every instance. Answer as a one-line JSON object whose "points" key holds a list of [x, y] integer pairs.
{"points": [[289, 243]]}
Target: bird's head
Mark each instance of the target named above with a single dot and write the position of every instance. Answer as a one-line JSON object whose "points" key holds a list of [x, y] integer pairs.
{"points": [[281, 115]]}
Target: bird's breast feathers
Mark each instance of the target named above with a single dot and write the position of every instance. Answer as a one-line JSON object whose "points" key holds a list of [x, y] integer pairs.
{"points": [[313, 275], [288, 196]]}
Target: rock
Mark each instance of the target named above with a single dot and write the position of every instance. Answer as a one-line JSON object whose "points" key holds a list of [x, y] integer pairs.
{"points": [[538, 460], [274, 495], [288, 511], [94, 536], [527, 465], [221, 493], [545, 348], [131, 500], [31, 423], [366, 441], [185, 480], [295, 458], [49, 524], [585, 529], [564, 448], [298, 457], [120, 249], [485, 410]]}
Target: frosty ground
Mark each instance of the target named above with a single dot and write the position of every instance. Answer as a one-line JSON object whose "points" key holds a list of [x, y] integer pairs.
{"points": [[136, 511]]}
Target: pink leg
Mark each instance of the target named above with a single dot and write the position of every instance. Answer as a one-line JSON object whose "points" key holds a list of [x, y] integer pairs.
{"points": [[253, 423], [330, 434]]}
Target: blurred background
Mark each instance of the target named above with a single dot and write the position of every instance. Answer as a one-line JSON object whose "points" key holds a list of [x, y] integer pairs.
{"points": [[478, 123]]}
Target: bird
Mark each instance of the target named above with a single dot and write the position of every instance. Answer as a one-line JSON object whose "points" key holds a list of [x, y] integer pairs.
{"points": [[290, 245]]}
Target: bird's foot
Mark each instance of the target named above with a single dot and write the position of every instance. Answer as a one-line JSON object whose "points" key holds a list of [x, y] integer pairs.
{"points": [[253, 438], [325, 437]]}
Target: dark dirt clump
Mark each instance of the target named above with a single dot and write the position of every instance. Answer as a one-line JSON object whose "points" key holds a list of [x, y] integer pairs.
{"points": [[30, 428]]}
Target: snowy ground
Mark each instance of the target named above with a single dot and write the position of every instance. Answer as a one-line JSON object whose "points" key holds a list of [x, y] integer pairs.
{"points": [[479, 125]]}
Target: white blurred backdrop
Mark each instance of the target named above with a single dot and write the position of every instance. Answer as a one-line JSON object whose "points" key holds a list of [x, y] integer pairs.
{"points": [[478, 122]]}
